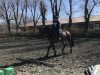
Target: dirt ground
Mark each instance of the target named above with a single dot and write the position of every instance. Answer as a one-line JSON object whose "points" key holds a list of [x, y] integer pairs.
{"points": [[27, 56]]}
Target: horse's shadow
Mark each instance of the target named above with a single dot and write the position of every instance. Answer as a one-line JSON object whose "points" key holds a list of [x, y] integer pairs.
{"points": [[37, 61]]}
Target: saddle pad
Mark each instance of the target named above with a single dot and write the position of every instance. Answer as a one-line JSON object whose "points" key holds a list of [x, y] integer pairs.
{"points": [[68, 32], [64, 33]]}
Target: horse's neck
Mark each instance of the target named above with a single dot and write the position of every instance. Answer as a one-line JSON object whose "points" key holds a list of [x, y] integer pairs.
{"points": [[47, 31]]}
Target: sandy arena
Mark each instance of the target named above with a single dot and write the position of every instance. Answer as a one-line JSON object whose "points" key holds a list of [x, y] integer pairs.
{"points": [[28, 56]]}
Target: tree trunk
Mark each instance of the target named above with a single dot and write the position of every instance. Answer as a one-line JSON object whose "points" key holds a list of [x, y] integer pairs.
{"points": [[70, 22], [86, 27], [34, 28], [43, 20], [9, 30], [70, 16], [17, 29]]}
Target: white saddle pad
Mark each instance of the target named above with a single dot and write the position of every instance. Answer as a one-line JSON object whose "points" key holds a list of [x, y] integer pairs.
{"points": [[68, 32]]}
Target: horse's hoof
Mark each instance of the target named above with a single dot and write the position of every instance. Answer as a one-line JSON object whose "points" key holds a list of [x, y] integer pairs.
{"points": [[55, 54], [71, 52], [46, 56]]}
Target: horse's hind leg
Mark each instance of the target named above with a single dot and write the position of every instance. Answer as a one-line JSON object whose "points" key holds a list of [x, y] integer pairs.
{"points": [[48, 51], [71, 44], [64, 45]]}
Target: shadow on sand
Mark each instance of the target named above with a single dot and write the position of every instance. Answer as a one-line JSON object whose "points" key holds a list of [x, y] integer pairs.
{"points": [[37, 61]]}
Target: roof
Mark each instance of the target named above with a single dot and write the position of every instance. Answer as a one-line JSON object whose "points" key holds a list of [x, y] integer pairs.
{"points": [[63, 21]]}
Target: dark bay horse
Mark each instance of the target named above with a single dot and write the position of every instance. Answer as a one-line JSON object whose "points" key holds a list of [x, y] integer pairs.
{"points": [[52, 37]]}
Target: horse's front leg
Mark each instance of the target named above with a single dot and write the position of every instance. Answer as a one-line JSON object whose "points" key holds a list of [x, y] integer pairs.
{"points": [[54, 50], [64, 45], [48, 51]]}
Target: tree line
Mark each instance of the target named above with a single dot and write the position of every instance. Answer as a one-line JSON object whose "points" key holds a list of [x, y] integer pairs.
{"points": [[18, 11]]}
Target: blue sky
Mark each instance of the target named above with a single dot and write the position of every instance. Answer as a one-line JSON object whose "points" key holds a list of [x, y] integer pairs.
{"points": [[65, 7], [77, 10]]}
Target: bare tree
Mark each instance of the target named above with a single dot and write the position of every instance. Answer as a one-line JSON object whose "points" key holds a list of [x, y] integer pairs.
{"points": [[55, 8], [43, 11], [35, 15], [6, 15], [18, 9], [25, 14], [22, 8], [15, 9], [70, 9], [89, 5]]}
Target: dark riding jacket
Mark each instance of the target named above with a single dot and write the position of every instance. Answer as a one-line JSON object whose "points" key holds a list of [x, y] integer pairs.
{"points": [[56, 26]]}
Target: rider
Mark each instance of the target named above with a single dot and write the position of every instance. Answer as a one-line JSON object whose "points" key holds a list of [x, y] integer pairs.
{"points": [[56, 27]]}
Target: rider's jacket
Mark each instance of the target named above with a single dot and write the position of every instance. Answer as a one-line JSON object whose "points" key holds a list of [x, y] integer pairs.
{"points": [[56, 26]]}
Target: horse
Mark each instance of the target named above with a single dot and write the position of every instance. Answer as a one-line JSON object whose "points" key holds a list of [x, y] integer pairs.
{"points": [[53, 38]]}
